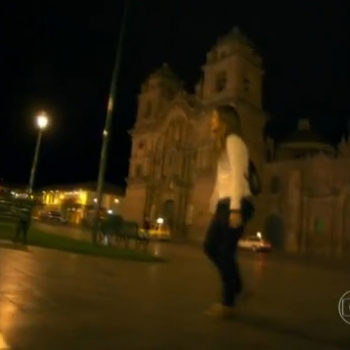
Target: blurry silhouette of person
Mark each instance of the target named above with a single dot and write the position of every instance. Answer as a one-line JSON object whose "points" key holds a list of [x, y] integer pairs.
{"points": [[23, 223], [146, 226]]}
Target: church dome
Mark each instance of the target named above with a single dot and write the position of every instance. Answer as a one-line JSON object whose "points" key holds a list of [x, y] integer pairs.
{"points": [[304, 142]]}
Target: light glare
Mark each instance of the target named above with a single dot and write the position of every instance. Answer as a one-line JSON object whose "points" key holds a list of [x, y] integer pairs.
{"points": [[160, 221], [42, 121]]}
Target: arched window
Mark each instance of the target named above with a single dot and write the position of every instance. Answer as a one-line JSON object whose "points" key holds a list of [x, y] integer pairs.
{"points": [[221, 81], [138, 170], [319, 225]]}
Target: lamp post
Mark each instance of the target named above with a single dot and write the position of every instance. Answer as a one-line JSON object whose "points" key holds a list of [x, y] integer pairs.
{"points": [[108, 122], [42, 122]]}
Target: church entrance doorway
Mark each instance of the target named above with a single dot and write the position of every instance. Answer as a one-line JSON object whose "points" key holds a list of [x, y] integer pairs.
{"points": [[168, 213]]}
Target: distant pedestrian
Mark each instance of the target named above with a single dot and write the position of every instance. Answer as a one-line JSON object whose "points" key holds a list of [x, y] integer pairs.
{"points": [[23, 224], [146, 227], [144, 235], [103, 229], [229, 205]]}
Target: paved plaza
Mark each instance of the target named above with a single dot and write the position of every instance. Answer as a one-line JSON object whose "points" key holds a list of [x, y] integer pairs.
{"points": [[54, 300]]}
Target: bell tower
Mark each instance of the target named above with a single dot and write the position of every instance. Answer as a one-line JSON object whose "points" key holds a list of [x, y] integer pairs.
{"points": [[233, 72], [156, 92], [233, 75]]}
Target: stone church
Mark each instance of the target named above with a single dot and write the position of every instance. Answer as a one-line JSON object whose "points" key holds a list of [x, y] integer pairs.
{"points": [[173, 162]]}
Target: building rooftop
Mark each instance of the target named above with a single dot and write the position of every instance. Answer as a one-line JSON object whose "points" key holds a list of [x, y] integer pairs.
{"points": [[234, 42], [306, 137], [235, 35], [88, 186], [164, 71]]}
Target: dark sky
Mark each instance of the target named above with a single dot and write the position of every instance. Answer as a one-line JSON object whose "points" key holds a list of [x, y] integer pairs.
{"points": [[58, 56]]}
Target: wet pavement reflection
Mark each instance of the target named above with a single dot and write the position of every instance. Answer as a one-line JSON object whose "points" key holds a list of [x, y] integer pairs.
{"points": [[53, 300], [3, 344]]}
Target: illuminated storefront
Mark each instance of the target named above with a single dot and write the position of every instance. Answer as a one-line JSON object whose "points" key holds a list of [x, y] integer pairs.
{"points": [[76, 203]]}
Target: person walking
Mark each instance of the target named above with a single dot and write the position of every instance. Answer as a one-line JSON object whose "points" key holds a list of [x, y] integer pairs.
{"points": [[23, 224], [230, 206]]}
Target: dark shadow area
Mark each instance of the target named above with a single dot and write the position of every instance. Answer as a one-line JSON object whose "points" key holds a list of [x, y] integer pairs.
{"points": [[276, 326], [274, 231], [14, 246]]}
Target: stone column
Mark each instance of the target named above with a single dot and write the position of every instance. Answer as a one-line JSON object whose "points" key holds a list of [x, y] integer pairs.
{"points": [[303, 226]]}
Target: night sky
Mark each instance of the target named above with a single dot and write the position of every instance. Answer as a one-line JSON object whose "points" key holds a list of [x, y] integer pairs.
{"points": [[58, 56]]}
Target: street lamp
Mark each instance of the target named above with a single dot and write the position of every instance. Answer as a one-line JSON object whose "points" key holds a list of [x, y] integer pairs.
{"points": [[108, 122], [160, 221], [41, 121]]}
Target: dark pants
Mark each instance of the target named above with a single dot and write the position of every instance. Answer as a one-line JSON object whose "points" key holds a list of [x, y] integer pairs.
{"points": [[22, 229], [221, 247]]}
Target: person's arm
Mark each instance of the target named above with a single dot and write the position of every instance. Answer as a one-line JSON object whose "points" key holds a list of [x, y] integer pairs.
{"points": [[237, 153]]}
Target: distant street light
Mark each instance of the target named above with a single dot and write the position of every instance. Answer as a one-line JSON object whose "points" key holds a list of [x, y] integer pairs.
{"points": [[160, 221], [42, 121]]}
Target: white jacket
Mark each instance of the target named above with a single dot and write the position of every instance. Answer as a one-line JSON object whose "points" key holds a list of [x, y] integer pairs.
{"points": [[231, 178]]}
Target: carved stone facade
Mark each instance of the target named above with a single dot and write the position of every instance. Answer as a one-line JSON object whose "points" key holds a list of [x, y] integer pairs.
{"points": [[172, 163], [307, 194], [305, 204]]}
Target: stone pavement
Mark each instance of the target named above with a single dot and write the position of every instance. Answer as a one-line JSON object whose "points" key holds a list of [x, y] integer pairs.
{"points": [[53, 300]]}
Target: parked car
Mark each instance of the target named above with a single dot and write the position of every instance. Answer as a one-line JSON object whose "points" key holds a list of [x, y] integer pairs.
{"points": [[54, 217], [255, 243]]}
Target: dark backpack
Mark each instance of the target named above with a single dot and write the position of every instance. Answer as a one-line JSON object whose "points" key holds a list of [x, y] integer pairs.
{"points": [[253, 179]]}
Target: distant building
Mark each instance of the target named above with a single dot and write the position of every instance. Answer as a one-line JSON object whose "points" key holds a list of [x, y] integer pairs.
{"points": [[15, 191], [13, 198], [305, 204], [76, 202]]}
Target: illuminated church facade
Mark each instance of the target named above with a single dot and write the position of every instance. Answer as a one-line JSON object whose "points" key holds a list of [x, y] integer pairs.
{"points": [[173, 162]]}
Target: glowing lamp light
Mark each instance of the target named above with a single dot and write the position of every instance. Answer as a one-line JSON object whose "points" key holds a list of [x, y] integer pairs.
{"points": [[42, 121], [83, 197], [259, 235], [3, 344], [110, 211], [116, 201], [160, 221]]}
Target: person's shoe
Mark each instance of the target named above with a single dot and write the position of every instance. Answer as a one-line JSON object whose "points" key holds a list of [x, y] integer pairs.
{"points": [[221, 311]]}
